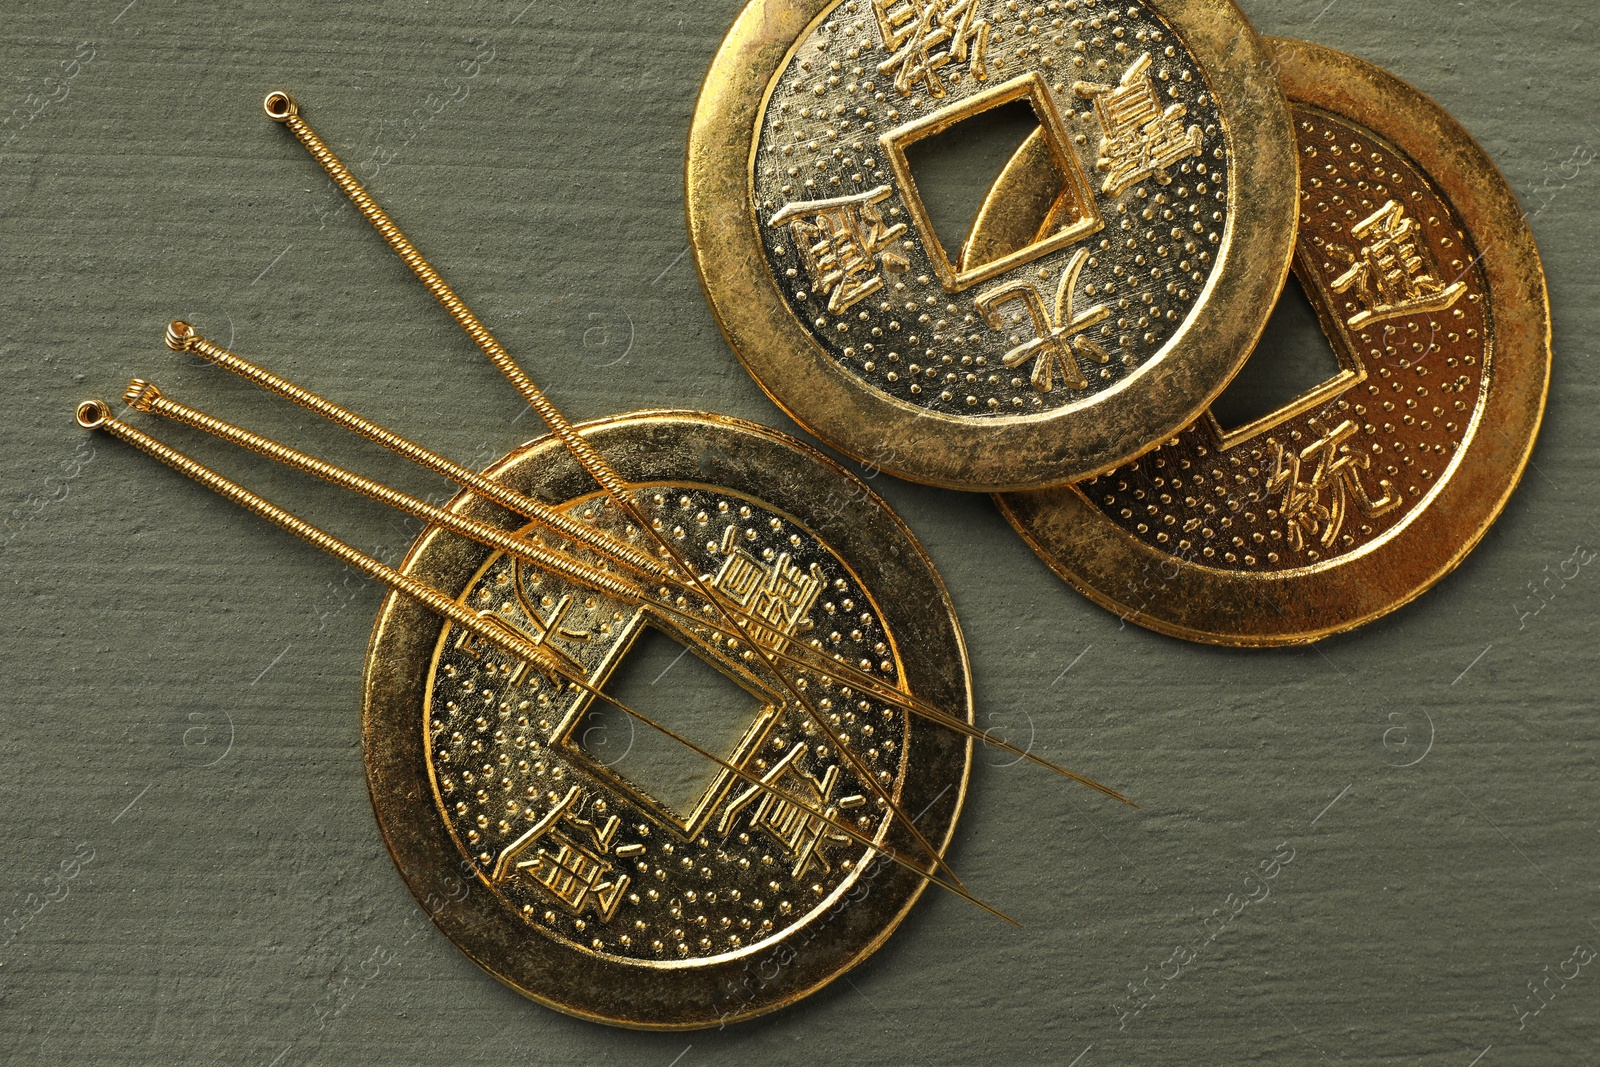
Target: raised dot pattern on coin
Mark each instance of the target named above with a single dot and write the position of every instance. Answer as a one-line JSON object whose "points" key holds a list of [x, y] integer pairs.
{"points": [[1354, 460], [592, 858], [1134, 130]]}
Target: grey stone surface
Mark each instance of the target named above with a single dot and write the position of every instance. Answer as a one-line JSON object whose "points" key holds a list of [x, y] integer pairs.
{"points": [[181, 682]]}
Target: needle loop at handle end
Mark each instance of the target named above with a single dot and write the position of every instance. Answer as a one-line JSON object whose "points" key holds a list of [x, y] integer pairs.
{"points": [[92, 414], [141, 395], [181, 336], [280, 106]]}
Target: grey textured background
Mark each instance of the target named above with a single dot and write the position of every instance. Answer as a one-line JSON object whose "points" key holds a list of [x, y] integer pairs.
{"points": [[181, 682]]}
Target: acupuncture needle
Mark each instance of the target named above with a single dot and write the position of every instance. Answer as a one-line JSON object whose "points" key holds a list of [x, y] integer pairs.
{"points": [[182, 337], [281, 108], [145, 397], [96, 415]]}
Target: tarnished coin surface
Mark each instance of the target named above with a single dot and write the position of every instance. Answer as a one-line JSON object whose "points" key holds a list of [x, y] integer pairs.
{"points": [[671, 894], [1360, 494], [967, 359]]}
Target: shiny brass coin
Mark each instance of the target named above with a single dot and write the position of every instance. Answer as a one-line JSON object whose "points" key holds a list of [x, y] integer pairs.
{"points": [[671, 894], [1359, 495], [983, 363]]}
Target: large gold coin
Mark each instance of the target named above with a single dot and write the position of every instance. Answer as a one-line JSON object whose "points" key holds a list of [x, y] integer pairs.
{"points": [[985, 364], [1361, 494], [668, 894]]}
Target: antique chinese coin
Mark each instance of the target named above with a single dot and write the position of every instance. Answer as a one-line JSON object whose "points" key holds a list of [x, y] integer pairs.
{"points": [[1359, 495], [890, 328], [669, 892]]}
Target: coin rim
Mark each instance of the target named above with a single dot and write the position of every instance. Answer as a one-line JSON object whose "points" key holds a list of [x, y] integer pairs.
{"points": [[1003, 452], [1308, 604], [654, 446]]}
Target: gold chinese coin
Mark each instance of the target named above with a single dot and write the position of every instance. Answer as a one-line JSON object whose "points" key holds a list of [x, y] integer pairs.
{"points": [[1359, 495], [671, 894], [971, 360]]}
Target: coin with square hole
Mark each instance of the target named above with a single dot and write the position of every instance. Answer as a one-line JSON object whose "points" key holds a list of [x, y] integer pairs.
{"points": [[841, 158], [1328, 487], [617, 873]]}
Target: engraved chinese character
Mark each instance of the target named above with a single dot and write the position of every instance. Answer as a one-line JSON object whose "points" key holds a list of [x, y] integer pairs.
{"points": [[1394, 273], [555, 625], [841, 242], [1139, 140], [542, 632], [568, 858], [1058, 340], [794, 824], [1317, 505], [924, 36], [775, 597]]}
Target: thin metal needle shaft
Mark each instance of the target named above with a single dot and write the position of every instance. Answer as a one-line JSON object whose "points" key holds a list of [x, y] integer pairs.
{"points": [[96, 415], [281, 108], [774, 791]]}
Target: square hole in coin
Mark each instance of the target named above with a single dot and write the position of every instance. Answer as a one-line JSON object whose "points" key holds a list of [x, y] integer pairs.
{"points": [[1293, 364], [948, 163], [955, 169], [671, 684]]}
